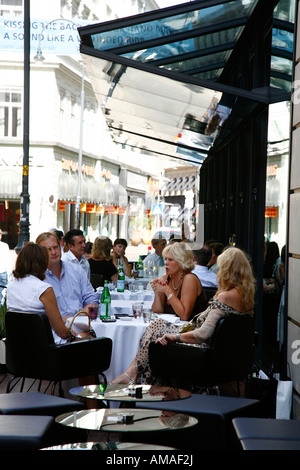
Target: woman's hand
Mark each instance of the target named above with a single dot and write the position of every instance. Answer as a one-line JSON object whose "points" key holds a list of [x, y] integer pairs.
{"points": [[165, 339], [159, 285]]}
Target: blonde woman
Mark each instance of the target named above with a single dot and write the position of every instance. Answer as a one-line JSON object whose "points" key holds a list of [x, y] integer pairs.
{"points": [[235, 296], [100, 260], [179, 291]]}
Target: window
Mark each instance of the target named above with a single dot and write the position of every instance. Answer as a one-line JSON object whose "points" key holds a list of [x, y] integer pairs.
{"points": [[10, 113], [11, 8]]}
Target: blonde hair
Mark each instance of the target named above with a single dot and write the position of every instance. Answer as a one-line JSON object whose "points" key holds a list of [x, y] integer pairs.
{"points": [[235, 271], [182, 253], [101, 248]]}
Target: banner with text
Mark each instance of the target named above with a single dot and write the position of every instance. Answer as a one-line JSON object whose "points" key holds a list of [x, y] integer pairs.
{"points": [[56, 37]]}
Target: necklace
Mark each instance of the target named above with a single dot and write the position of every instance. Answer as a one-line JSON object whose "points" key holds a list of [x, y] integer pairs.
{"points": [[175, 288]]}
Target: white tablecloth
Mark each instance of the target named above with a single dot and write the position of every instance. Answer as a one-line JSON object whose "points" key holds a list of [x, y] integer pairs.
{"points": [[134, 296], [121, 302], [125, 334]]}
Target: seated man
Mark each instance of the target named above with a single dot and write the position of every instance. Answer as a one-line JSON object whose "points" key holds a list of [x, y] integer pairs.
{"points": [[75, 242], [156, 258], [216, 248], [206, 277], [71, 286]]}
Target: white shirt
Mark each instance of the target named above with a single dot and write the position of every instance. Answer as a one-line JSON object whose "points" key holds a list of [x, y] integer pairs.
{"points": [[156, 259], [69, 257], [23, 295], [5, 260], [206, 277]]}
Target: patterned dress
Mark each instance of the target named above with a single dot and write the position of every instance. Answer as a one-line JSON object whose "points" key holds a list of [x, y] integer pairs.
{"points": [[203, 326]]}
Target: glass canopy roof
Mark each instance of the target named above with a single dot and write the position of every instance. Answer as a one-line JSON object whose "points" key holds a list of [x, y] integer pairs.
{"points": [[157, 76]]}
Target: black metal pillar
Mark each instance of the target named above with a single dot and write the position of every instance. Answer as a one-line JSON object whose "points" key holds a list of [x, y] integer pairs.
{"points": [[24, 206]]}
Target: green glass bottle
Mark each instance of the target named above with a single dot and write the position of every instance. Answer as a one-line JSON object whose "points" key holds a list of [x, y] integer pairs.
{"points": [[140, 267], [105, 302], [121, 279]]}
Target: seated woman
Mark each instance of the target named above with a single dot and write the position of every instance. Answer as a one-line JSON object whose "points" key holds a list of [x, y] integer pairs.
{"points": [[118, 255], [29, 293], [235, 296], [179, 291], [100, 261]]}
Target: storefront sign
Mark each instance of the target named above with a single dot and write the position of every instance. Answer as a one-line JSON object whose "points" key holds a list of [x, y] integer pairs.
{"points": [[88, 208], [73, 166], [271, 212]]}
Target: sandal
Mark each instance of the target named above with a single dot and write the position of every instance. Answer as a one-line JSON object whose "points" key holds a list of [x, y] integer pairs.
{"points": [[132, 382]]}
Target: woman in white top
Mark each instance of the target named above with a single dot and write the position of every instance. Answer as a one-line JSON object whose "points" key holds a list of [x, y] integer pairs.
{"points": [[29, 293]]}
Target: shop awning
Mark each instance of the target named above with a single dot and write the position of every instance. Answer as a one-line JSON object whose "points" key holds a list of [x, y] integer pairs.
{"points": [[10, 184], [158, 75]]}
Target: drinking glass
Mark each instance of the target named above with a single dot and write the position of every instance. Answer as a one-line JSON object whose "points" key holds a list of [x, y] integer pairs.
{"points": [[137, 309]]}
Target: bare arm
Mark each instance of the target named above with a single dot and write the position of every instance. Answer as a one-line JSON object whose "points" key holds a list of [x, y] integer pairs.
{"points": [[183, 307], [198, 335]]}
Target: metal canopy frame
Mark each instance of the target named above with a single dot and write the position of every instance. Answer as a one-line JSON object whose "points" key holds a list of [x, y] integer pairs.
{"points": [[126, 56]]}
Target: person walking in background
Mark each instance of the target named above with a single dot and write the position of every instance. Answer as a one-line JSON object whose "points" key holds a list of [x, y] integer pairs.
{"points": [[6, 275]]}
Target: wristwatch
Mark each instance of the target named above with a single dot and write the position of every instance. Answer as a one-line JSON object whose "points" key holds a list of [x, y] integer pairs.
{"points": [[170, 296], [178, 338]]}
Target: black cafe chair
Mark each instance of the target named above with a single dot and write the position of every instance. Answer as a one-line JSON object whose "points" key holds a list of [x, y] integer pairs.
{"points": [[32, 353], [228, 359]]}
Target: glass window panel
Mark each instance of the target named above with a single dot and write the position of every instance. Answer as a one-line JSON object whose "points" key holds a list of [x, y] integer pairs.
{"points": [[166, 27], [281, 65], [12, 2], [285, 10], [183, 47], [4, 97], [279, 83], [16, 122], [205, 61], [16, 97], [3, 121], [282, 39]]}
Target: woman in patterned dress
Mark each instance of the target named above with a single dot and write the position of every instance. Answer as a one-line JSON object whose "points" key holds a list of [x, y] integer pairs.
{"points": [[235, 296]]}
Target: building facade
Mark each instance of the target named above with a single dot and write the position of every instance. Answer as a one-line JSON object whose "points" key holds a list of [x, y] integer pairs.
{"points": [[116, 194]]}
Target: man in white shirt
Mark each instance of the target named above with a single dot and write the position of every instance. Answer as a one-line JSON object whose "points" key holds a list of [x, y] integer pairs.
{"points": [[156, 258], [75, 242], [206, 277], [5, 266]]}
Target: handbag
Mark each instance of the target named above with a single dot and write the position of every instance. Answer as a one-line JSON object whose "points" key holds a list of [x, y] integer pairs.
{"points": [[80, 323]]}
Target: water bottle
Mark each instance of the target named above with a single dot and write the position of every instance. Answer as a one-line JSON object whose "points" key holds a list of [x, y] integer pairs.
{"points": [[105, 302], [140, 268], [121, 279]]}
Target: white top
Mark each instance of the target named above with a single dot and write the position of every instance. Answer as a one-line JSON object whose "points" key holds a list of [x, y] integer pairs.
{"points": [[206, 277], [69, 257], [155, 259], [5, 261], [23, 295]]}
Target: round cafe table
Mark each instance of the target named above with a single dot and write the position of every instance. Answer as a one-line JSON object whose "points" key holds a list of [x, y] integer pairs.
{"points": [[130, 393], [131, 420]]}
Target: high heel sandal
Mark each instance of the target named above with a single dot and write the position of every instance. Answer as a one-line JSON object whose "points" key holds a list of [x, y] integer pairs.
{"points": [[132, 382]]}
